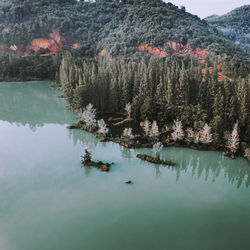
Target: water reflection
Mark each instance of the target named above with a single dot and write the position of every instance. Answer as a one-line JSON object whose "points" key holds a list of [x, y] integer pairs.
{"points": [[202, 165], [35, 104], [32, 103], [206, 165]]}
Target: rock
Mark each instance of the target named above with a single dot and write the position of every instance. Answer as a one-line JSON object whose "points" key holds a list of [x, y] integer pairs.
{"points": [[105, 168]]}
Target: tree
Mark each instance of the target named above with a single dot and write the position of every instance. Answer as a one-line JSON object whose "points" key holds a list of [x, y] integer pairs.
{"points": [[127, 132], [157, 148], [233, 141], [206, 136], [190, 135], [146, 127], [88, 116], [87, 156], [154, 132], [128, 109], [178, 133], [102, 127]]}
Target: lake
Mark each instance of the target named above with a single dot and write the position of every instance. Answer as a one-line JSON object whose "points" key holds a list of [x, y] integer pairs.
{"points": [[49, 201]]}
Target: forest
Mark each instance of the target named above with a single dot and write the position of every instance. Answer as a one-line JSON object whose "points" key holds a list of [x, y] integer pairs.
{"points": [[123, 55], [235, 24], [117, 26], [163, 90]]}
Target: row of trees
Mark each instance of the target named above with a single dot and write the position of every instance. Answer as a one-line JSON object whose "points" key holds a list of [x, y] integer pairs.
{"points": [[204, 136]]}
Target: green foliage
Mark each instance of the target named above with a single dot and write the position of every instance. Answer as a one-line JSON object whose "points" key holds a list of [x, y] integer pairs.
{"points": [[161, 89], [235, 24], [87, 156], [116, 26]]}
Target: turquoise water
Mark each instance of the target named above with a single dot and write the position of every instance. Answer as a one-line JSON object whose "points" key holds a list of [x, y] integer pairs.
{"points": [[48, 201]]}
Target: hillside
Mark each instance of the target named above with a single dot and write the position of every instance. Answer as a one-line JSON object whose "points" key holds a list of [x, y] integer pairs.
{"points": [[165, 62], [235, 24], [41, 28]]}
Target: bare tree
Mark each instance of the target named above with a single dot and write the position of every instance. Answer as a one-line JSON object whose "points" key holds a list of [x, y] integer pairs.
{"points": [[233, 141], [88, 116], [190, 135], [146, 127], [206, 136], [127, 132], [128, 109], [178, 133], [102, 127], [157, 148], [154, 132]]}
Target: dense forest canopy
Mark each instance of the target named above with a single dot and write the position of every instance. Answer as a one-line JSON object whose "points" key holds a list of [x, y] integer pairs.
{"points": [[235, 24], [118, 26]]}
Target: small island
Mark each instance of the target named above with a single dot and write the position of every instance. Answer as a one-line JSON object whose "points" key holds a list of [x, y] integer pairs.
{"points": [[155, 160], [86, 160], [157, 148]]}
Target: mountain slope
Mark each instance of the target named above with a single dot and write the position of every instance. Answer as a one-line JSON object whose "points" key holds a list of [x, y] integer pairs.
{"points": [[30, 29], [235, 24], [118, 27]]}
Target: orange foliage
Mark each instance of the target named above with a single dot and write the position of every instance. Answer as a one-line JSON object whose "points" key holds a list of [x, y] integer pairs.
{"points": [[178, 48], [75, 45], [152, 50], [183, 49], [54, 43], [102, 52]]}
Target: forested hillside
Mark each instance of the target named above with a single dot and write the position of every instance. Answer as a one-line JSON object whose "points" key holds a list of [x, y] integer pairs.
{"points": [[31, 28], [235, 24]]}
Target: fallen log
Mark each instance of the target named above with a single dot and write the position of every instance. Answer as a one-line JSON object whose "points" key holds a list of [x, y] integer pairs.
{"points": [[155, 160], [103, 166]]}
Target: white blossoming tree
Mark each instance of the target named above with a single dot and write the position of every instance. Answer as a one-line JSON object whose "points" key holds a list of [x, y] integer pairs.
{"points": [[157, 148], [178, 133], [206, 136], [233, 140], [146, 127], [89, 116], [128, 109], [102, 127], [190, 135], [154, 132], [127, 132]]}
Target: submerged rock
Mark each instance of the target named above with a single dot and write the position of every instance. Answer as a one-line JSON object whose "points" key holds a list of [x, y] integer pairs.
{"points": [[128, 182]]}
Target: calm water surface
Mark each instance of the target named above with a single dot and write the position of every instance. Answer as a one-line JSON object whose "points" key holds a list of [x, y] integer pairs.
{"points": [[48, 201]]}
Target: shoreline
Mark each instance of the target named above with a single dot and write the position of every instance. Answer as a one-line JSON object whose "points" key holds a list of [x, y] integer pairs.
{"points": [[136, 144]]}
